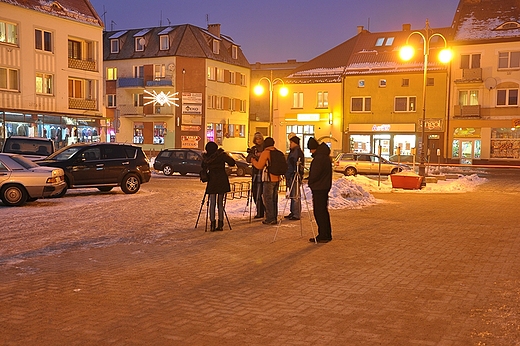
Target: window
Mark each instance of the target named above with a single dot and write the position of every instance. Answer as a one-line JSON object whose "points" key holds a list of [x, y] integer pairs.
{"points": [[468, 97], [232, 77], [212, 73], [507, 97], [389, 41], [220, 75], [379, 41], [114, 45], [75, 50], [234, 52], [43, 40], [509, 60], [242, 105], [361, 83], [8, 79], [469, 61], [138, 100], [361, 104], [323, 99], [159, 71], [164, 42], [76, 88], [382, 83], [111, 101], [298, 100], [8, 32], [430, 81], [139, 44], [243, 79], [216, 47], [159, 130], [405, 82], [44, 83], [404, 104], [138, 71], [111, 73]]}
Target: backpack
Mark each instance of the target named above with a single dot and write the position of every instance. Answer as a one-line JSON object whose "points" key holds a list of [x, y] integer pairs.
{"points": [[204, 175], [277, 163]]}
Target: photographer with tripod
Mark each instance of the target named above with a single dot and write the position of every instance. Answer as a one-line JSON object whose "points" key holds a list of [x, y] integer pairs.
{"points": [[256, 176], [214, 161], [295, 165]]}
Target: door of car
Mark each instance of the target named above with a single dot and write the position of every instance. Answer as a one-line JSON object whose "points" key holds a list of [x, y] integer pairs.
{"points": [[87, 166], [116, 163], [364, 164], [193, 162], [5, 173]]}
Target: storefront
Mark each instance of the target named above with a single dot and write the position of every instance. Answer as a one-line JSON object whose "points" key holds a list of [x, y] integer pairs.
{"points": [[63, 130]]}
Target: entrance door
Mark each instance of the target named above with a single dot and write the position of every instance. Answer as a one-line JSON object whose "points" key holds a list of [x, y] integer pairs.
{"points": [[384, 142]]}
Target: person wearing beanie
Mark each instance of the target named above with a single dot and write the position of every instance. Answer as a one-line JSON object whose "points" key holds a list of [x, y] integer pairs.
{"points": [[294, 176], [256, 176], [270, 183], [320, 182], [214, 161]]}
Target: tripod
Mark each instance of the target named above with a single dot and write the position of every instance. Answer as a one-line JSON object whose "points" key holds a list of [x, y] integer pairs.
{"points": [[297, 184], [207, 212]]}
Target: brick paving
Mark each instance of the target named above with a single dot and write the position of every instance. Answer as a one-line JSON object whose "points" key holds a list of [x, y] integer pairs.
{"points": [[415, 269]]}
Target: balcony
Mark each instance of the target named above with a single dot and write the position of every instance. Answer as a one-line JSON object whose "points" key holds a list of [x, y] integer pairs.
{"points": [[166, 82], [84, 104], [470, 75], [472, 111], [130, 82], [86, 65]]}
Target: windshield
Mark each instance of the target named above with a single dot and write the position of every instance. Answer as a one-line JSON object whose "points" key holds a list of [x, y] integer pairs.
{"points": [[24, 162], [64, 153], [30, 146]]}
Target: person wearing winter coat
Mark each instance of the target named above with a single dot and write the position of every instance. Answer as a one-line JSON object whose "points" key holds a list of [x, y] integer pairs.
{"points": [[214, 160], [320, 183], [256, 175], [295, 164]]}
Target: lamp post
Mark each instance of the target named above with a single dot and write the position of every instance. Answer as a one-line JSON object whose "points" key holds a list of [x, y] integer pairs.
{"points": [[445, 56], [259, 90]]}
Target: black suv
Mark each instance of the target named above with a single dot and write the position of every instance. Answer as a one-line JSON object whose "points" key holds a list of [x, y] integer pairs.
{"points": [[183, 161], [101, 165]]}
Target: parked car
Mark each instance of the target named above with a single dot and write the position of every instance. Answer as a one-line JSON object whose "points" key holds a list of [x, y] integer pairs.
{"points": [[33, 148], [21, 180], [101, 165], [404, 158], [183, 161], [243, 167], [355, 163]]}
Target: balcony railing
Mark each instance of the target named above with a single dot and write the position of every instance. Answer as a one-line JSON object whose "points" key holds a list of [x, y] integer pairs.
{"points": [[130, 82], [82, 104], [159, 82], [472, 111], [87, 65]]}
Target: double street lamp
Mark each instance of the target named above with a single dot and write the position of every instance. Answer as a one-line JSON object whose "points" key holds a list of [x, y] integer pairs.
{"points": [[445, 55], [259, 90]]}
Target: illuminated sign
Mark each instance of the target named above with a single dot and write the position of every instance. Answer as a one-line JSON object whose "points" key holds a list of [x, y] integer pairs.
{"points": [[381, 128], [161, 98], [308, 117]]}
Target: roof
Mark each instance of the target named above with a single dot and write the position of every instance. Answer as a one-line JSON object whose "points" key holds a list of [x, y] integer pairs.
{"points": [[478, 20], [77, 10], [186, 40]]}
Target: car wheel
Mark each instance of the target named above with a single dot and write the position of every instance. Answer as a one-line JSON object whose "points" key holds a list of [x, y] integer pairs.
{"points": [[167, 170], [63, 192], [396, 170], [105, 188], [241, 172], [350, 171], [14, 195], [131, 183]]}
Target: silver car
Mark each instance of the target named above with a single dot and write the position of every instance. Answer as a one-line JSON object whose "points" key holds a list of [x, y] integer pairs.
{"points": [[21, 180], [357, 163]]}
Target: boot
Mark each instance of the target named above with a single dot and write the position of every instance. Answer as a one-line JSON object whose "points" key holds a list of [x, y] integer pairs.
{"points": [[212, 226], [220, 226]]}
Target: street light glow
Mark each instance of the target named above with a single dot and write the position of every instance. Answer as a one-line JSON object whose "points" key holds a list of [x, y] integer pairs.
{"points": [[284, 91], [445, 55], [407, 52], [258, 90]]}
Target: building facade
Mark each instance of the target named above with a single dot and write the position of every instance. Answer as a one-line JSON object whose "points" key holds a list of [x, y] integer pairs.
{"points": [[51, 71], [176, 87]]}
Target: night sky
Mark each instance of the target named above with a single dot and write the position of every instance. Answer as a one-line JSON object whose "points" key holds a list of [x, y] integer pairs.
{"points": [[274, 30]]}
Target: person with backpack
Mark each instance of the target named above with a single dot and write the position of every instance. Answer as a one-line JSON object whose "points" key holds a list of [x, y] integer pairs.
{"points": [[272, 170], [295, 165], [214, 162], [256, 175]]}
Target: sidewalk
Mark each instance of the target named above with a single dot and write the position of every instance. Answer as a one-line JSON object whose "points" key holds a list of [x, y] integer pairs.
{"points": [[415, 269]]}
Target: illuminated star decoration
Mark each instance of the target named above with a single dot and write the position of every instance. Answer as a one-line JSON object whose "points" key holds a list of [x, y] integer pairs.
{"points": [[161, 98]]}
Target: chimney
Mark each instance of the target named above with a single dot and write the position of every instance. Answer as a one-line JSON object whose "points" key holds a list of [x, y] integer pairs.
{"points": [[407, 27], [214, 29], [360, 29]]}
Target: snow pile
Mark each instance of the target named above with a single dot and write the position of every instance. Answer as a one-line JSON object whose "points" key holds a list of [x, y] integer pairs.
{"points": [[345, 194]]}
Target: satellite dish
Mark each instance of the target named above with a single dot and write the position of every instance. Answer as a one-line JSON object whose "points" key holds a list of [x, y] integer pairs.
{"points": [[490, 83], [142, 41], [171, 67]]}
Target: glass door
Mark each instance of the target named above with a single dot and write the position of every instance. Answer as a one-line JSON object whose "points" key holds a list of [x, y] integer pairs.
{"points": [[384, 142]]}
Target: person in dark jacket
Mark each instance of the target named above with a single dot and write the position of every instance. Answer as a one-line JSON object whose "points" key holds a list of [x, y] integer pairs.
{"points": [[320, 182], [214, 160], [254, 152], [295, 164]]}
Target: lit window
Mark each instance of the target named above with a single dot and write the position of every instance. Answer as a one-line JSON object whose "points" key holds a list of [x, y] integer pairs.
{"points": [[361, 104], [212, 73], [298, 100], [405, 104], [159, 71], [216, 46], [8, 32], [220, 75], [322, 99], [111, 73], [44, 83], [468, 97]]}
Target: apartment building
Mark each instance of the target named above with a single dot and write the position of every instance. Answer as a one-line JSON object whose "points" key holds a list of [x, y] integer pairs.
{"points": [[51, 71]]}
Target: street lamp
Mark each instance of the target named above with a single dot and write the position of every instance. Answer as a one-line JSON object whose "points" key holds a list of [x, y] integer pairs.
{"points": [[406, 53], [259, 90]]}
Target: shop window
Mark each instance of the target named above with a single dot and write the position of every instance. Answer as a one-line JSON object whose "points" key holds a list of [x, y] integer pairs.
{"points": [[138, 133], [8, 79], [361, 104], [159, 131], [507, 97], [44, 83], [43, 40], [242, 131], [230, 131], [505, 143], [404, 104], [219, 133]]}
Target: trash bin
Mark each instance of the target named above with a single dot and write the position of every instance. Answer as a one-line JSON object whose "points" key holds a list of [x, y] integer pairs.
{"points": [[408, 181]]}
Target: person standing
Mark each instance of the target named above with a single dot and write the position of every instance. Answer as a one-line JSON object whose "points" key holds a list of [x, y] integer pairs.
{"points": [[295, 165], [320, 182], [256, 176], [270, 183], [214, 161]]}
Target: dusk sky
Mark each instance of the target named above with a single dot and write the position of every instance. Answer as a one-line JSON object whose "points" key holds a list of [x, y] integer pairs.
{"points": [[274, 30]]}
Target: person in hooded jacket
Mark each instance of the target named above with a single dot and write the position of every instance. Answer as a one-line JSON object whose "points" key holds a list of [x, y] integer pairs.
{"points": [[295, 165], [214, 160], [320, 183], [256, 176]]}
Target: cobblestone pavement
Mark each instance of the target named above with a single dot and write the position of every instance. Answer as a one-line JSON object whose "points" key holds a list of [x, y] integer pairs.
{"points": [[415, 269]]}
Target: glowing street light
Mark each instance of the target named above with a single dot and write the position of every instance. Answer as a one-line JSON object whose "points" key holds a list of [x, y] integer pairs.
{"points": [[445, 56], [259, 90]]}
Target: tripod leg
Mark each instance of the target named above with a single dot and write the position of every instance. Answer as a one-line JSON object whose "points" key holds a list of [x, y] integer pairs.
{"points": [[225, 213], [285, 207], [310, 215], [207, 212], [200, 210]]}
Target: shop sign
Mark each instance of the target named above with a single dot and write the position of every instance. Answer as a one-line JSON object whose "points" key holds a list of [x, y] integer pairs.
{"points": [[381, 127], [516, 123], [190, 128], [431, 124], [467, 132], [191, 98], [308, 117], [190, 141], [191, 109], [190, 119]]}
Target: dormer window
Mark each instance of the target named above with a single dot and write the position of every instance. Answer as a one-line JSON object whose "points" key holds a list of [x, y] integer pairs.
{"points": [[234, 52], [508, 26], [114, 46], [139, 44], [165, 42], [216, 46]]}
